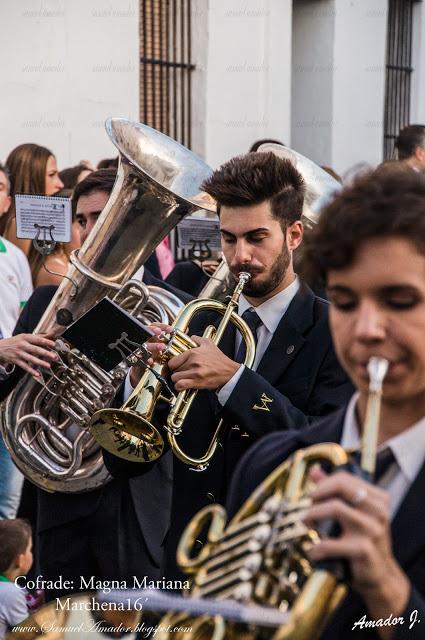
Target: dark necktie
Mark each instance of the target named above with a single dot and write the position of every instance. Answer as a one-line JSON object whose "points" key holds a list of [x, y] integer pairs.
{"points": [[384, 460], [253, 321]]}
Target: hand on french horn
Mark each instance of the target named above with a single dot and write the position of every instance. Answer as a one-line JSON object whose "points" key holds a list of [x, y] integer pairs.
{"points": [[362, 511], [28, 350]]}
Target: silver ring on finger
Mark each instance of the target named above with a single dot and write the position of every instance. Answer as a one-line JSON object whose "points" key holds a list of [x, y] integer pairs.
{"points": [[359, 496]]}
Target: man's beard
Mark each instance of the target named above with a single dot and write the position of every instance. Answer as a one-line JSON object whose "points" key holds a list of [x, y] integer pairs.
{"points": [[278, 270]]}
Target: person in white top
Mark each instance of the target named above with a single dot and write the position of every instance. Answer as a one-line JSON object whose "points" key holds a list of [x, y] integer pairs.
{"points": [[15, 285], [15, 278], [15, 289], [26, 351]]}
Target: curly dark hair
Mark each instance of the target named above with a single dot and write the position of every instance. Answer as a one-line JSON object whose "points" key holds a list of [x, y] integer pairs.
{"points": [[254, 178], [389, 201]]}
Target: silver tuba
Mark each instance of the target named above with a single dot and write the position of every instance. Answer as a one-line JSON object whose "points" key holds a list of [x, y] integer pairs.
{"points": [[320, 185], [44, 423]]}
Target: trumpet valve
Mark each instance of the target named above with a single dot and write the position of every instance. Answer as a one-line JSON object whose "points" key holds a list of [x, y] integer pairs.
{"points": [[177, 342]]}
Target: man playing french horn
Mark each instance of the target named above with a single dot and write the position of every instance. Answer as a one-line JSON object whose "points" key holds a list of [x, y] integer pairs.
{"points": [[369, 250]]}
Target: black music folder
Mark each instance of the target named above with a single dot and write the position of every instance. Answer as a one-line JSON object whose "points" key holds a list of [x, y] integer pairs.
{"points": [[107, 334]]}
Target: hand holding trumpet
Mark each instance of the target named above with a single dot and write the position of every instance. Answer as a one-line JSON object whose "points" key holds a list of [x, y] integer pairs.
{"points": [[204, 367]]}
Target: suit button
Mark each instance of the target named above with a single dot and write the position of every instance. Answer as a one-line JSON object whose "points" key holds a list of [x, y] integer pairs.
{"points": [[290, 349], [211, 497]]}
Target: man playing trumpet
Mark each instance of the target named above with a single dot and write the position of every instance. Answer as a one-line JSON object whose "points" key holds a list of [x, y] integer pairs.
{"points": [[369, 250], [295, 376]]}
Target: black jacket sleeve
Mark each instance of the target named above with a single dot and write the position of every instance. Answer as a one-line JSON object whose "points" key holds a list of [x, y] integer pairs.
{"points": [[310, 399], [188, 276]]}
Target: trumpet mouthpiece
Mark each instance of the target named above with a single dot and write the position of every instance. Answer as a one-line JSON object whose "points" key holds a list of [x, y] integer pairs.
{"points": [[244, 277], [377, 369]]}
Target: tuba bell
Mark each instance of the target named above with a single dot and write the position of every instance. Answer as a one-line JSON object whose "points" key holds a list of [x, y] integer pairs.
{"points": [[45, 423]]}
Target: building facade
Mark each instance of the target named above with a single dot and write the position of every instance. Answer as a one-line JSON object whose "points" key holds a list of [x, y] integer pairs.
{"points": [[215, 74]]}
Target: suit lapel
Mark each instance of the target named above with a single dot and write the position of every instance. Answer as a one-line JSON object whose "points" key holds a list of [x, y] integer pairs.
{"points": [[408, 539], [285, 344], [288, 339]]}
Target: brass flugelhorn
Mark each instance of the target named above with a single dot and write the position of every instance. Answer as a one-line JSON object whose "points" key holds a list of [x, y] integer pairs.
{"points": [[129, 432], [259, 560]]}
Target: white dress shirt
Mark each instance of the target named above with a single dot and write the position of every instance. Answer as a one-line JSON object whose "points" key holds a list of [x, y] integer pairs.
{"points": [[138, 275], [270, 313], [408, 449]]}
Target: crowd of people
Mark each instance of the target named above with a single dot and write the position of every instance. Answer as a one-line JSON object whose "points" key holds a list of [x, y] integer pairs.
{"points": [[308, 383]]}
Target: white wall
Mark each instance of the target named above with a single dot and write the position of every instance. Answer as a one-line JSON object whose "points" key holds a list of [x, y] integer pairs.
{"points": [[247, 75], [66, 66], [199, 16], [359, 82], [417, 105], [338, 86], [313, 79]]}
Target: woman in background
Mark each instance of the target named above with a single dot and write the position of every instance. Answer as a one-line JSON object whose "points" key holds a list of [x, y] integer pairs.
{"points": [[33, 170]]}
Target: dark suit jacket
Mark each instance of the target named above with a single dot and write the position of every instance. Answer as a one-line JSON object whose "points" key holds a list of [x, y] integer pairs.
{"points": [[151, 493], [302, 379], [408, 539]]}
